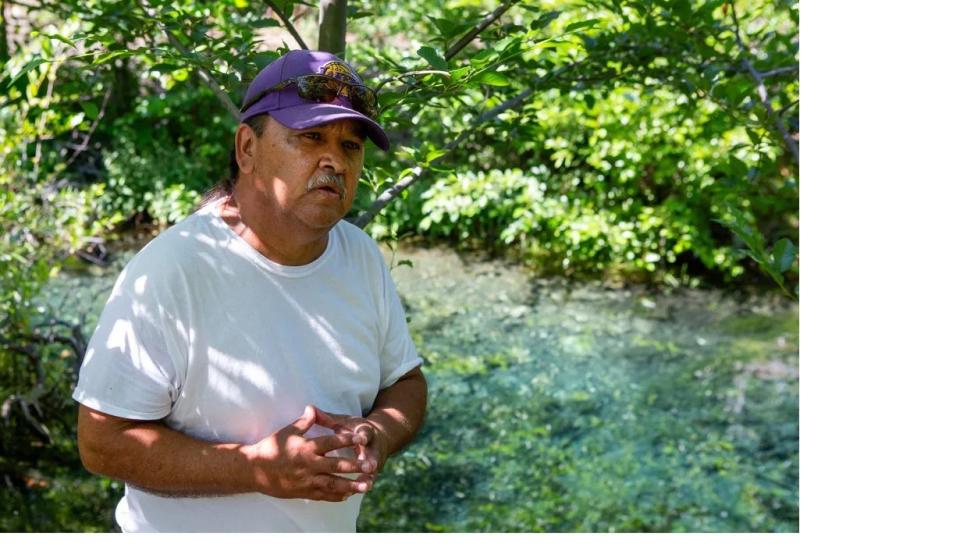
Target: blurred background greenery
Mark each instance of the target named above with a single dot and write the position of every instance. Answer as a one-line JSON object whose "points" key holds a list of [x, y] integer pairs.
{"points": [[598, 213]]}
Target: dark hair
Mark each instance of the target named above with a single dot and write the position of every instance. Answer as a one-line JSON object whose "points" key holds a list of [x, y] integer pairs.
{"points": [[224, 188]]}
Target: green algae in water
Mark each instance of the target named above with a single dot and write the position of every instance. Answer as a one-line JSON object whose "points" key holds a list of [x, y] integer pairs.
{"points": [[579, 408], [625, 412]]}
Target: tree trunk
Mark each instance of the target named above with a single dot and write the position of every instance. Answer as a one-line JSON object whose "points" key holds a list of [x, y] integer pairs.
{"points": [[4, 51], [333, 27]]}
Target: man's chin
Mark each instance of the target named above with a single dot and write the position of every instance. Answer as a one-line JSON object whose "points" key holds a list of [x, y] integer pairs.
{"points": [[318, 218]]}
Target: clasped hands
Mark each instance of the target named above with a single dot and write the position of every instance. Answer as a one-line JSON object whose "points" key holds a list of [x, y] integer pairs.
{"points": [[286, 464]]}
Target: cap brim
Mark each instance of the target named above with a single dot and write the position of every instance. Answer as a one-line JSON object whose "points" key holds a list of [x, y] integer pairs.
{"points": [[306, 115]]}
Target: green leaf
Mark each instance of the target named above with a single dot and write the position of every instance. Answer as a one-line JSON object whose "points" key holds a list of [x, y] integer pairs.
{"points": [[386, 99], [404, 173], [111, 56], [544, 20], [164, 67], [483, 55], [506, 45], [433, 57], [776, 277], [266, 22], [738, 167], [784, 253], [46, 45], [90, 109], [61, 38], [436, 154], [31, 65], [494, 79], [579, 25], [263, 59], [746, 232], [448, 29], [459, 74]]}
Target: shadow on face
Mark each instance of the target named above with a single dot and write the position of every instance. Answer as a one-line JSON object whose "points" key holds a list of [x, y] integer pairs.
{"points": [[285, 165]]}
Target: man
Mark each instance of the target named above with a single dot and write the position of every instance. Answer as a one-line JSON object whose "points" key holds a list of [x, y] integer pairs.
{"points": [[252, 369]]}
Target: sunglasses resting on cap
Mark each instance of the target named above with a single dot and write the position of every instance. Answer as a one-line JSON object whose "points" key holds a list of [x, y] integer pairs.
{"points": [[307, 88]]}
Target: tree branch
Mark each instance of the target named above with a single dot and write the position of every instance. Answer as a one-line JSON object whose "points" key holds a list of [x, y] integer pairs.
{"points": [[25, 404], [86, 139], [32, 397], [207, 78], [389, 195], [407, 181], [410, 74], [205, 75], [780, 71], [460, 44], [477, 29], [50, 76], [762, 90], [287, 23]]}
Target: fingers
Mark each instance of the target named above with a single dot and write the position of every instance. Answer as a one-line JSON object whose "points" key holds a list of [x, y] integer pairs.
{"points": [[367, 456], [349, 431], [328, 420], [346, 466], [365, 449], [307, 420], [365, 432], [335, 488], [312, 415], [323, 444]]}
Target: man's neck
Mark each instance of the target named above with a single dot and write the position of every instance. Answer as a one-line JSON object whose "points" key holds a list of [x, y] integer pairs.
{"points": [[272, 240]]}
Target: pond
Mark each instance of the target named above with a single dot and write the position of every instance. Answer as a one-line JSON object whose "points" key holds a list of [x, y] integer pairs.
{"points": [[557, 406]]}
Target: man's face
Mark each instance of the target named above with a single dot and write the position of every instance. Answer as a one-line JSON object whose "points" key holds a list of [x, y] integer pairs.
{"points": [[289, 166]]}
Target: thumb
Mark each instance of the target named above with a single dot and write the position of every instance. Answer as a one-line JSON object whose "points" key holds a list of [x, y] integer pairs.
{"points": [[306, 420]]}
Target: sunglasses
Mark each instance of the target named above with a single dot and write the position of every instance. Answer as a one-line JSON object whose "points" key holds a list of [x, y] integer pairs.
{"points": [[325, 89]]}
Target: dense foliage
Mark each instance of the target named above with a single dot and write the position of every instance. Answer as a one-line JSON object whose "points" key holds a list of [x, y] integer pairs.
{"points": [[643, 144], [651, 141]]}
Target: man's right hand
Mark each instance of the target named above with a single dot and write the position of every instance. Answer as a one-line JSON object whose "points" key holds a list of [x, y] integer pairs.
{"points": [[287, 465]]}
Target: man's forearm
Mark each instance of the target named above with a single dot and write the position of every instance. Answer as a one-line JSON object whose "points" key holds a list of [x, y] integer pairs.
{"points": [[399, 410], [160, 460]]}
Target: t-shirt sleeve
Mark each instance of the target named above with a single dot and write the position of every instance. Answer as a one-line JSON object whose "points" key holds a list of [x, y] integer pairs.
{"points": [[136, 358], [398, 355]]}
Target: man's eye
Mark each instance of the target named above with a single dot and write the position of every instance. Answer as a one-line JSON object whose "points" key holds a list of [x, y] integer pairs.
{"points": [[312, 135], [351, 145]]}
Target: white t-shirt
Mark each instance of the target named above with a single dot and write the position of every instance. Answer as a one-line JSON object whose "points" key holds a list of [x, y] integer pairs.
{"points": [[225, 345]]}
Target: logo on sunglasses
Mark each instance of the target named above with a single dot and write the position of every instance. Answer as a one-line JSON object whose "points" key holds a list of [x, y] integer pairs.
{"points": [[340, 71]]}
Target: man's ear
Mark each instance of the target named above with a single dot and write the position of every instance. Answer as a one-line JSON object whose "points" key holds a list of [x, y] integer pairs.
{"points": [[245, 145]]}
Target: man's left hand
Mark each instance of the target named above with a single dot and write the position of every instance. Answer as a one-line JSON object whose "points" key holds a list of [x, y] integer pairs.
{"points": [[393, 421], [373, 447]]}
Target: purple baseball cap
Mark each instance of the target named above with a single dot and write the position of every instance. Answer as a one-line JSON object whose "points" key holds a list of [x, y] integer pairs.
{"points": [[293, 111]]}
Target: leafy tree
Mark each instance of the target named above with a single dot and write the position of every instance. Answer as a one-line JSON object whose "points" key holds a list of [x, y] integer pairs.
{"points": [[653, 141]]}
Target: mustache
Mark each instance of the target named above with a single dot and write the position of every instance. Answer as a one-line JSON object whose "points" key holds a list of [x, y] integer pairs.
{"points": [[324, 178]]}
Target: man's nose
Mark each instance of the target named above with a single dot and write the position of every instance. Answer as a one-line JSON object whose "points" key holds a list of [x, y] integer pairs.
{"points": [[332, 162]]}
